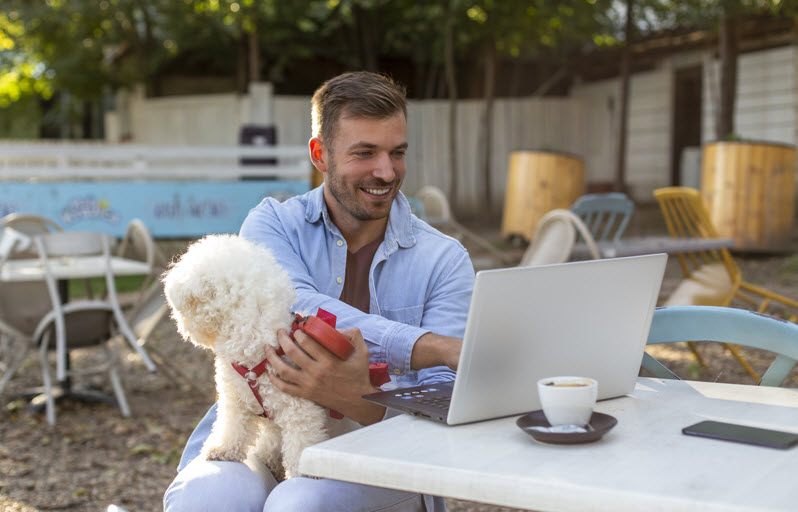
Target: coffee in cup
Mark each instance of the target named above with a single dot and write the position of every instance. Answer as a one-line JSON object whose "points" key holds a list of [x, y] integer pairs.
{"points": [[567, 400]]}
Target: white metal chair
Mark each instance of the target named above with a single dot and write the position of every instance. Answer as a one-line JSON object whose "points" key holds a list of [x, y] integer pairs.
{"points": [[80, 323], [439, 215], [150, 307], [554, 239], [22, 307]]}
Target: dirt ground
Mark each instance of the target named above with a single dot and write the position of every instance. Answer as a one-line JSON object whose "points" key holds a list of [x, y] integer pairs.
{"points": [[93, 457]]}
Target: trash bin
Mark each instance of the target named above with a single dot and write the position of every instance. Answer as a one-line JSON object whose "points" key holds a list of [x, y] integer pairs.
{"points": [[538, 182], [257, 135]]}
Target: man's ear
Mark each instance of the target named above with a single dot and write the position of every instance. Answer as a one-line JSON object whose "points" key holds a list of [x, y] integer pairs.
{"points": [[318, 154]]}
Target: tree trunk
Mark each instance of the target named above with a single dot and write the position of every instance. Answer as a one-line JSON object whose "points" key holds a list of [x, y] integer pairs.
{"points": [[626, 58], [451, 80], [254, 57], [728, 49], [241, 63], [487, 122], [367, 26]]}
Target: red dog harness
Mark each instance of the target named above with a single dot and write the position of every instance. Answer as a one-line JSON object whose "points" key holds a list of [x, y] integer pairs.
{"points": [[322, 328]]}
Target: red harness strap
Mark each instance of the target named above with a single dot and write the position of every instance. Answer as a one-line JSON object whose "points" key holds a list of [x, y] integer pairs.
{"points": [[250, 375], [378, 372]]}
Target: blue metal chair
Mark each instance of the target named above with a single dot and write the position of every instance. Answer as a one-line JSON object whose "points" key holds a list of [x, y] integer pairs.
{"points": [[725, 325], [605, 215]]}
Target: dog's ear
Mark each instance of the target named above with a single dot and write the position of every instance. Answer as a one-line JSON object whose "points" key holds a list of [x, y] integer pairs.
{"points": [[194, 301]]}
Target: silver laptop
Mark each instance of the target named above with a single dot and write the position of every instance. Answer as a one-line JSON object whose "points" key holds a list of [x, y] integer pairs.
{"points": [[587, 318]]}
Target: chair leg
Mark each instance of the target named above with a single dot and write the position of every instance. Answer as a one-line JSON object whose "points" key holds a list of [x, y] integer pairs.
{"points": [[694, 349], [119, 391], [13, 367], [48, 385], [735, 351]]}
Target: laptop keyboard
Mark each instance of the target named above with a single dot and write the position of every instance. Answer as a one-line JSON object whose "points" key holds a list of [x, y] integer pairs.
{"points": [[439, 402]]}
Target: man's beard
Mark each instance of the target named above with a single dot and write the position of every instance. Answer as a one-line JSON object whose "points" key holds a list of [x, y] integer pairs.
{"points": [[346, 196]]}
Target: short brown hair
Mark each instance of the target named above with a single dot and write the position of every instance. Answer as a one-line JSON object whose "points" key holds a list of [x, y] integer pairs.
{"points": [[358, 94]]}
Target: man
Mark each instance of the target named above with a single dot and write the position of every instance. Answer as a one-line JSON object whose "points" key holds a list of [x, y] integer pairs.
{"points": [[399, 289]]}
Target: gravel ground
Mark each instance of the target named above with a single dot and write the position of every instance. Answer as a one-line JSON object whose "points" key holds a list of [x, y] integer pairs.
{"points": [[93, 457]]}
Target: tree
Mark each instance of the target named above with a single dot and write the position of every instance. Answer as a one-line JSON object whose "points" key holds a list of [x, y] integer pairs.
{"points": [[520, 28]]}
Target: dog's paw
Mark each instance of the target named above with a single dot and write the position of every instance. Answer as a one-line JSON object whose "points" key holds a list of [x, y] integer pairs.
{"points": [[222, 455]]}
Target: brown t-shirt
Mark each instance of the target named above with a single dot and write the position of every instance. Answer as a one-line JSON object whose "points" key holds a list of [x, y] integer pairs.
{"points": [[356, 281]]}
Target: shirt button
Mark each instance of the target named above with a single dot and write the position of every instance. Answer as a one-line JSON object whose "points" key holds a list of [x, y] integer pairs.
{"points": [[340, 243], [340, 280], [397, 371]]}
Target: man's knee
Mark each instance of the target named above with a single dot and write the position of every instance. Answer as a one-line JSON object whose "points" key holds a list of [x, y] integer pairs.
{"points": [[323, 495], [214, 486]]}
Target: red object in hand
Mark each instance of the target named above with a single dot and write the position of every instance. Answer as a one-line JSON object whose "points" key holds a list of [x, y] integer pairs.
{"points": [[378, 374], [322, 329]]}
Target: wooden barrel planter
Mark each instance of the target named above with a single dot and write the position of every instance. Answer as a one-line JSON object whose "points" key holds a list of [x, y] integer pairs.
{"points": [[537, 182], [749, 190]]}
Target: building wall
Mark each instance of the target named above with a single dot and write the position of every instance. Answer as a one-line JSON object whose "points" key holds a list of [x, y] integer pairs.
{"points": [[648, 130], [766, 96]]}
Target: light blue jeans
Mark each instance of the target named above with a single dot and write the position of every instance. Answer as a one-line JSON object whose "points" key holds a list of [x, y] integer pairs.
{"points": [[234, 486]]}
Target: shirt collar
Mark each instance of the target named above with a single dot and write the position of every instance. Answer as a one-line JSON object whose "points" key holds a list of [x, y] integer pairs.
{"points": [[400, 225]]}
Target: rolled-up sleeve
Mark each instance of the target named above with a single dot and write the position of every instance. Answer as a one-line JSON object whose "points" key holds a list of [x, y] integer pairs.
{"points": [[306, 253]]}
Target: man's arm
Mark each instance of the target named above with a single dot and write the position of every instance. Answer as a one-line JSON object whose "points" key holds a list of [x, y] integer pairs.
{"points": [[435, 350], [324, 378], [393, 341]]}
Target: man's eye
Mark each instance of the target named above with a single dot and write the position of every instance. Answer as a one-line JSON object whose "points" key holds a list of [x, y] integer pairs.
{"points": [[364, 153], [399, 154]]}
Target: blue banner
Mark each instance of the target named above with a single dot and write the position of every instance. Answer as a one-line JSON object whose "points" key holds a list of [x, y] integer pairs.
{"points": [[170, 209]]}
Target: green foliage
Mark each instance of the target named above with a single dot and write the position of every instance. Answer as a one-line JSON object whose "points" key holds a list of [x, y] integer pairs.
{"points": [[89, 47]]}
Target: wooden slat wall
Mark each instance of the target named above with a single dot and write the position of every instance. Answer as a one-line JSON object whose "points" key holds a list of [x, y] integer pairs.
{"points": [[517, 124], [766, 96]]}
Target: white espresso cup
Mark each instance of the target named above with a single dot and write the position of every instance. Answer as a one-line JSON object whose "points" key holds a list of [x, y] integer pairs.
{"points": [[567, 400]]}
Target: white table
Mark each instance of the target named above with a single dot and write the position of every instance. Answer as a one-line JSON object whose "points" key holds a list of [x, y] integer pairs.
{"points": [[652, 245], [644, 463], [70, 268]]}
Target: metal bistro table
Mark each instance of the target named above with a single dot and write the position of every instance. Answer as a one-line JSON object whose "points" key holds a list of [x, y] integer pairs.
{"points": [[644, 463], [651, 245]]}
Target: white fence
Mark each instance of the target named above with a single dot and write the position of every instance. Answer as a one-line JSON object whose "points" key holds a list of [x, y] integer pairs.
{"points": [[81, 161], [550, 123]]}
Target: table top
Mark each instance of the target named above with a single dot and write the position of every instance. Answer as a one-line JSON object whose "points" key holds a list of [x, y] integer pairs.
{"points": [[644, 463], [70, 268], [651, 245]]}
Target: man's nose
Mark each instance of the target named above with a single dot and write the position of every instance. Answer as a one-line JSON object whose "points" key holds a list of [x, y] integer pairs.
{"points": [[383, 168]]}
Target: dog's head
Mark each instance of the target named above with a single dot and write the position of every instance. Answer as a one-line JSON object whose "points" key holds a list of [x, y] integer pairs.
{"points": [[227, 288]]}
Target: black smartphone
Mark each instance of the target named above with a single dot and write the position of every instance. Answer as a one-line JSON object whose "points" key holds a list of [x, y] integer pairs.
{"points": [[742, 434]]}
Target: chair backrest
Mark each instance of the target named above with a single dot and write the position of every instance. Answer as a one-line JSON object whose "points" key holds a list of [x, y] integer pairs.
{"points": [[605, 215], [27, 224], [686, 217], [138, 244], [74, 243], [725, 325], [554, 239], [436, 205]]}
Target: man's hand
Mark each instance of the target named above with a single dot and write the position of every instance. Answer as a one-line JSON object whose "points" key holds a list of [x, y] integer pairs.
{"points": [[324, 378], [435, 350]]}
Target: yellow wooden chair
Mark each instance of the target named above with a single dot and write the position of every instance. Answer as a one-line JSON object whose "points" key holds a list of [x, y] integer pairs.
{"points": [[711, 277]]}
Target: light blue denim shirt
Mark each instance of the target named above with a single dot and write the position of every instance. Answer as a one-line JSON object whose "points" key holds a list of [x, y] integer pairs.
{"points": [[420, 279]]}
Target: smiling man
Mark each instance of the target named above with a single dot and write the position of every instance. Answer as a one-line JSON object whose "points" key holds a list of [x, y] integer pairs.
{"points": [[399, 289]]}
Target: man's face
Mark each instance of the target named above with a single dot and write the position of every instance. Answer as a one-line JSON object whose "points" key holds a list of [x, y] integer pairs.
{"points": [[365, 167]]}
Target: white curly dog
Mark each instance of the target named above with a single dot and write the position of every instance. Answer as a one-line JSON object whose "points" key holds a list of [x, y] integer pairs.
{"points": [[231, 296]]}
